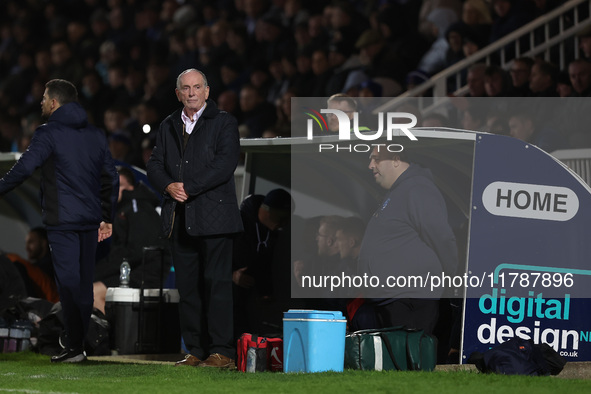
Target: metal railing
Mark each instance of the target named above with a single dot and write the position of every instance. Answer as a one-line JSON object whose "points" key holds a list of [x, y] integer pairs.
{"points": [[551, 35]]}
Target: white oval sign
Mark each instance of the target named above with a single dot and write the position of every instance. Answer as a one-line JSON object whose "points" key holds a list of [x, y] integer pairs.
{"points": [[523, 200]]}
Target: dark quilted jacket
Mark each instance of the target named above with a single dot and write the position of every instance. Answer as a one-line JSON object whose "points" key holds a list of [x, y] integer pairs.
{"points": [[206, 167]]}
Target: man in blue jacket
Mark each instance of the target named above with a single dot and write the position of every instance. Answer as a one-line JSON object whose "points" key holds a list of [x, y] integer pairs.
{"points": [[407, 236], [197, 150], [79, 189]]}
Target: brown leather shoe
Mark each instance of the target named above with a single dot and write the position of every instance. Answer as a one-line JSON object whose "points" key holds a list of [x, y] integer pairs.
{"points": [[189, 360], [217, 360]]}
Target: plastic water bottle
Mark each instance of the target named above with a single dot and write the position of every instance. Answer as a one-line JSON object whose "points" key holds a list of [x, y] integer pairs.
{"points": [[124, 273], [251, 359]]}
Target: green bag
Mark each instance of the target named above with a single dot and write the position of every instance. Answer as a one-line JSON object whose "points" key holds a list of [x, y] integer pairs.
{"points": [[394, 348]]}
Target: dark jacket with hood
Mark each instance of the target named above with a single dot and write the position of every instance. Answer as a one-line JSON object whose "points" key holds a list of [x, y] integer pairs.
{"points": [[79, 184], [206, 167], [409, 235]]}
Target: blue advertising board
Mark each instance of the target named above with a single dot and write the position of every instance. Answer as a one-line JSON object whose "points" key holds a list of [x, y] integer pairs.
{"points": [[530, 244]]}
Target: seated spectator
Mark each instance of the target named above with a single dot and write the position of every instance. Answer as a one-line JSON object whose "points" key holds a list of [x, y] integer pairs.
{"points": [[579, 71], [257, 113], [509, 16], [379, 59], [136, 225], [528, 127], [37, 246], [563, 86], [520, 73], [261, 270], [496, 82], [435, 59], [475, 80], [542, 81], [37, 283], [585, 43]]}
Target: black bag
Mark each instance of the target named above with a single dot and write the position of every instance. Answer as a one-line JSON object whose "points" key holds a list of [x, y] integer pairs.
{"points": [[519, 356], [51, 329]]}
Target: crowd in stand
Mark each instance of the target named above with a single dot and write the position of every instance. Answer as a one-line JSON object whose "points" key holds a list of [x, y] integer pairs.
{"points": [[124, 56]]}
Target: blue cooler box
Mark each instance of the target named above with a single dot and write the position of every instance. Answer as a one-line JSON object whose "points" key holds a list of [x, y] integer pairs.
{"points": [[313, 341]]}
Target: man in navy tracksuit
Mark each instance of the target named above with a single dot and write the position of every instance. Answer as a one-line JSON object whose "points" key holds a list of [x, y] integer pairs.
{"points": [[408, 235], [79, 190]]}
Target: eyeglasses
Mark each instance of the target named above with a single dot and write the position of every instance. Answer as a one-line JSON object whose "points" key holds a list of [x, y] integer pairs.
{"points": [[515, 71]]}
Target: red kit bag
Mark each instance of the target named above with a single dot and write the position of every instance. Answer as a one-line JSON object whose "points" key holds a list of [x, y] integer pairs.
{"points": [[258, 354]]}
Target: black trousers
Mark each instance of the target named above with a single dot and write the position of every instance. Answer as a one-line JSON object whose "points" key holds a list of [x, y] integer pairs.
{"points": [[203, 268], [74, 254], [410, 312]]}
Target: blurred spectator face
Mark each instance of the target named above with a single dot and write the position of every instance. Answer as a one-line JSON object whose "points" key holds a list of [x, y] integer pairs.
{"points": [[114, 120], [470, 48], [339, 18], [580, 73], [228, 75], [108, 52], [302, 35], [303, 64], [116, 18], [325, 241], [454, 39], [36, 246], [475, 81], [369, 52], [42, 61], [123, 185], [219, 32], [585, 45], [538, 81], [501, 7], [520, 74], [259, 78], [249, 99], [475, 12], [228, 101], [319, 63], [493, 85], [76, 32], [91, 84], [235, 41], [169, 7], [564, 90], [286, 103], [60, 53], [134, 80], [269, 133], [119, 149], [315, 26], [327, 15], [521, 128], [253, 8], [276, 70], [116, 77], [342, 105], [470, 122], [203, 38], [335, 59], [470, 15], [345, 243]]}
